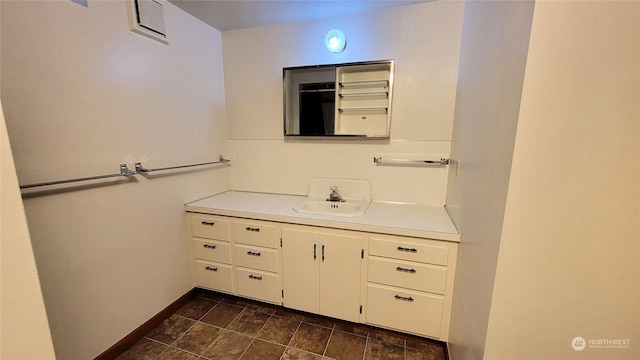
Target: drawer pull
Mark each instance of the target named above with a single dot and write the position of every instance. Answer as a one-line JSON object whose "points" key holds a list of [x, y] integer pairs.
{"points": [[398, 297], [406, 270], [255, 277], [252, 229], [413, 250], [207, 223], [209, 246], [253, 253], [314, 251], [211, 268]]}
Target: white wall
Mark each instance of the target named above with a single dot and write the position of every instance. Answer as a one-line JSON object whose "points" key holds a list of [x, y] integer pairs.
{"points": [[423, 39], [568, 262], [24, 328], [492, 62], [83, 94]]}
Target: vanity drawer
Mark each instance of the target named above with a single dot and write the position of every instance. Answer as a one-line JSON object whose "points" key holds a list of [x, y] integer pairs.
{"points": [[210, 227], [409, 249], [258, 285], [255, 233], [404, 310], [411, 275], [256, 257], [212, 250], [214, 276]]}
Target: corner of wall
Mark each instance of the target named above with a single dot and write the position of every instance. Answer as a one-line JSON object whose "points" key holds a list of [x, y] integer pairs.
{"points": [[493, 56], [24, 319]]}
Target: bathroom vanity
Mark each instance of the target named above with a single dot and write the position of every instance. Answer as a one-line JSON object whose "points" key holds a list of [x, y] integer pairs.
{"points": [[392, 267]]}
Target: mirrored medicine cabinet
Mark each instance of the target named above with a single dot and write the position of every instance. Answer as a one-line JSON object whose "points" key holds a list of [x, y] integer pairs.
{"points": [[351, 100]]}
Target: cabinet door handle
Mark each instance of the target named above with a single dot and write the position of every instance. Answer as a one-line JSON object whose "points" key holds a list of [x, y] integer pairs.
{"points": [[413, 250], [211, 268], [207, 223], [398, 297], [314, 251], [322, 253], [209, 246], [406, 270], [255, 277], [248, 228], [253, 253]]}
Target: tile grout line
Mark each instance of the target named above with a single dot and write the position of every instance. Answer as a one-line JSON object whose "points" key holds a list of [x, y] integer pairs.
{"points": [[326, 346], [290, 340], [222, 328], [366, 344], [256, 335], [168, 347], [195, 321], [217, 302], [162, 352], [404, 349], [252, 339]]}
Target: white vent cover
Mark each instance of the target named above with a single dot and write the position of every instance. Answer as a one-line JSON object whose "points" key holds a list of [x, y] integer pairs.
{"points": [[146, 17]]}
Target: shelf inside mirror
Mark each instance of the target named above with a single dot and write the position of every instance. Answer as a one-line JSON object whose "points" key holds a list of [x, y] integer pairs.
{"points": [[364, 110], [365, 95], [364, 84]]}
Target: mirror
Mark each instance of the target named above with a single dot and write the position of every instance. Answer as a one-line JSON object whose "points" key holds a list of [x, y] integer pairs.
{"points": [[339, 100]]}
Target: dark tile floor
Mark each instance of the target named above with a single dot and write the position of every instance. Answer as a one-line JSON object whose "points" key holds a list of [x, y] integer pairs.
{"points": [[222, 327]]}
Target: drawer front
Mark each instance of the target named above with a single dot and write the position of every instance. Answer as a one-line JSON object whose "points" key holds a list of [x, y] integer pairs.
{"points": [[409, 249], [256, 257], [411, 275], [214, 276], [212, 250], [404, 310], [258, 285], [210, 227], [255, 233]]}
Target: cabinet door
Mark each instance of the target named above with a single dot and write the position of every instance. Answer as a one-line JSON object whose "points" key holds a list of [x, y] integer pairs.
{"points": [[340, 263], [300, 266]]}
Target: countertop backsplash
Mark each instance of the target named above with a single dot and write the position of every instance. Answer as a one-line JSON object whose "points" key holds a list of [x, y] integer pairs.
{"points": [[287, 167]]}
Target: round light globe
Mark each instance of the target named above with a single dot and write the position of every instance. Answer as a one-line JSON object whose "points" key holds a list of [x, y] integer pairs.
{"points": [[335, 41]]}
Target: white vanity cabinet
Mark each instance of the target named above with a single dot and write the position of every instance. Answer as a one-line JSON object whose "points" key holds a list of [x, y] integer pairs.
{"points": [[410, 283], [398, 282], [323, 271]]}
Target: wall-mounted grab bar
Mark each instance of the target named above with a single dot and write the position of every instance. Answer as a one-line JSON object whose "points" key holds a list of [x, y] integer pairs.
{"points": [[142, 169], [380, 160], [124, 171]]}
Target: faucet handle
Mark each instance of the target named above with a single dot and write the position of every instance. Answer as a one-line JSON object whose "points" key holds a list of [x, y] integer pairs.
{"points": [[333, 188]]}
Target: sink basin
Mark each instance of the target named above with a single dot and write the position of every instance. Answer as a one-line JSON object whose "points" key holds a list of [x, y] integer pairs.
{"points": [[356, 194]]}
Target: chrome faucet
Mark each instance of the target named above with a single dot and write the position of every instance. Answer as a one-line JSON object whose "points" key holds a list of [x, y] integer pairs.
{"points": [[334, 196]]}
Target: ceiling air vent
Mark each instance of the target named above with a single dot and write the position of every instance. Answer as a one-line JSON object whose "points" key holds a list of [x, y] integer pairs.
{"points": [[146, 17]]}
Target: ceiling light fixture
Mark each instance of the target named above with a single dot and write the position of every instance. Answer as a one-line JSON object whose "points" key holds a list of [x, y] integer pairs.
{"points": [[335, 41]]}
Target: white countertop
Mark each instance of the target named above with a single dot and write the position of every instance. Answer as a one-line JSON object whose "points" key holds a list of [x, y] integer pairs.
{"points": [[424, 221]]}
